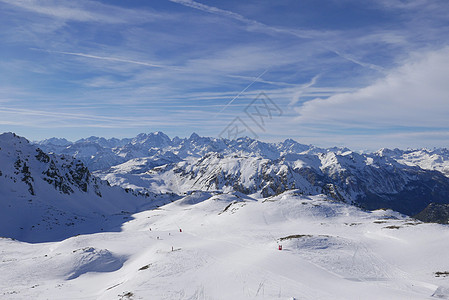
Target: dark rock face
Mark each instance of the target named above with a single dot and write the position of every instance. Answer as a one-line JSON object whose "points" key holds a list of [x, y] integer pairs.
{"points": [[434, 213], [30, 164], [407, 190]]}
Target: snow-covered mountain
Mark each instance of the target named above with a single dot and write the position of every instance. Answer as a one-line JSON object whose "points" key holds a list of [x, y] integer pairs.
{"points": [[351, 177], [48, 196], [406, 181], [100, 154], [437, 159]]}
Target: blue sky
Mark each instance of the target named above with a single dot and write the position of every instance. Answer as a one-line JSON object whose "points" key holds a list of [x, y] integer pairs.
{"points": [[362, 74]]}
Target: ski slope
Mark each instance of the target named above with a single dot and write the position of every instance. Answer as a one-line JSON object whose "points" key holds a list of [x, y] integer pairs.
{"points": [[228, 249]]}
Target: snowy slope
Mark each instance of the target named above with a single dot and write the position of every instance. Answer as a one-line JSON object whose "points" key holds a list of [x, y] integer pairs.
{"points": [[47, 197], [134, 175], [228, 249]]}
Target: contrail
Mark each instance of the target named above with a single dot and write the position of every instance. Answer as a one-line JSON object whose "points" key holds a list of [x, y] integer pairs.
{"points": [[241, 92], [142, 63], [252, 23], [363, 64]]}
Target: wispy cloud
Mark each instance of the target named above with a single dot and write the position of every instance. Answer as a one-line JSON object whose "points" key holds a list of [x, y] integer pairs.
{"points": [[46, 119], [409, 4], [86, 11], [302, 89], [261, 27]]}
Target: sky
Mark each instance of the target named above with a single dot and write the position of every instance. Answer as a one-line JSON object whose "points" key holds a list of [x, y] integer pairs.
{"points": [[361, 74]]}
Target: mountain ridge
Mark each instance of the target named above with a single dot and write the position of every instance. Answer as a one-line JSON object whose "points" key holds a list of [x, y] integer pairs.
{"points": [[404, 180], [45, 197]]}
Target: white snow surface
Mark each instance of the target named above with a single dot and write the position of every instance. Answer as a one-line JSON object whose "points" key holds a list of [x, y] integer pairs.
{"points": [[228, 249]]}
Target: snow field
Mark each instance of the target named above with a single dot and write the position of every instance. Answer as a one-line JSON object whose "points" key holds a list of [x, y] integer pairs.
{"points": [[228, 249]]}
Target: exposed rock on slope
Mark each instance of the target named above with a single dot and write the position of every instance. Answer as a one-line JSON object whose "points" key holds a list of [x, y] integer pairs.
{"points": [[435, 213], [45, 197]]}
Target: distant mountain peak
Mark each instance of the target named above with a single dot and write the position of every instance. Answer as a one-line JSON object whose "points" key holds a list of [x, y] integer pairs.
{"points": [[194, 136]]}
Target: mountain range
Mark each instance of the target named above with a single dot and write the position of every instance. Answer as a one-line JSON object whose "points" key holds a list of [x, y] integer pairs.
{"points": [[403, 180]]}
